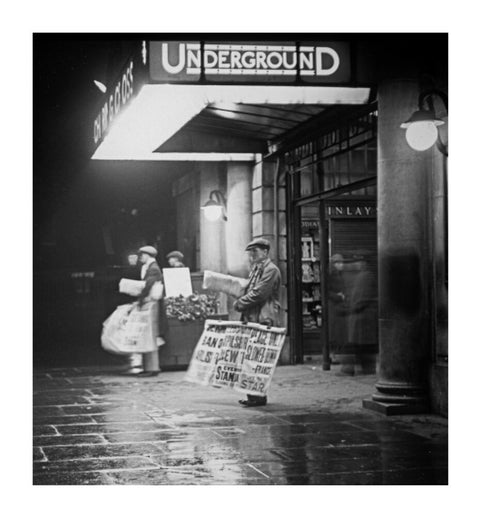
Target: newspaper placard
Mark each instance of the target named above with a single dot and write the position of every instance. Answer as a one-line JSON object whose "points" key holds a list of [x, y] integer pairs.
{"points": [[237, 355], [131, 287], [178, 281], [204, 357]]}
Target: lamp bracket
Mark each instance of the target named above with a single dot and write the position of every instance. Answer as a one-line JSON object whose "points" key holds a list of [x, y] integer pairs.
{"points": [[427, 96]]}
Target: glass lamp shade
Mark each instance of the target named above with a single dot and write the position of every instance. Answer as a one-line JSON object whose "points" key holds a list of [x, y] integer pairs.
{"points": [[421, 135], [213, 212], [422, 130]]}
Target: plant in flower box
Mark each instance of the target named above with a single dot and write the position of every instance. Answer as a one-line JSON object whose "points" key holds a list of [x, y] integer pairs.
{"points": [[191, 308], [186, 319]]}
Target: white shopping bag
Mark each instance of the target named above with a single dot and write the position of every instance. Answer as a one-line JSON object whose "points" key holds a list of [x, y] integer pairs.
{"points": [[131, 329], [156, 292]]}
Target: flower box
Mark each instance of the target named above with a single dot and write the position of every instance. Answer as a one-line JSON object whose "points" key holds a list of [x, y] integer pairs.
{"points": [[182, 338], [186, 318]]}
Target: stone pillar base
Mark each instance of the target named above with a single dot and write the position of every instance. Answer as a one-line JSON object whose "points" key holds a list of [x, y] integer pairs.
{"points": [[388, 409], [398, 398]]}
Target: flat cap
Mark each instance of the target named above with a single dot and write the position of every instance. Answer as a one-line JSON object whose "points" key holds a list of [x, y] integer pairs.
{"points": [[175, 254], [336, 258], [149, 250], [258, 243]]}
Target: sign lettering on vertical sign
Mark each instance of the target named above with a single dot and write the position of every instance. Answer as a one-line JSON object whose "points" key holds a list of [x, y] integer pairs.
{"points": [[120, 91], [271, 62], [118, 97]]}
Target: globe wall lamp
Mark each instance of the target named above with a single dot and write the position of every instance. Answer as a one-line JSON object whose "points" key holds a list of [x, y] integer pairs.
{"points": [[216, 207], [422, 126]]}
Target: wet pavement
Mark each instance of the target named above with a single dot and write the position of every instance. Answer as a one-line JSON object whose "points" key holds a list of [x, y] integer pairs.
{"points": [[97, 426]]}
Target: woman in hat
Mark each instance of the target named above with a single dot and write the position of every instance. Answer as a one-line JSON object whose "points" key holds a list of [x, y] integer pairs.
{"points": [[175, 259]]}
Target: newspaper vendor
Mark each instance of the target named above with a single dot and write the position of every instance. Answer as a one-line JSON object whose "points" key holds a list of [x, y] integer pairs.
{"points": [[151, 273], [260, 303]]}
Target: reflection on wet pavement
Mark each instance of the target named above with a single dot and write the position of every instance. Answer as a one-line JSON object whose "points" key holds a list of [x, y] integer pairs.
{"points": [[108, 429]]}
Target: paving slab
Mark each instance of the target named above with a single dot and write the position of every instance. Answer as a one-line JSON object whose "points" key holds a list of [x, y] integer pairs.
{"points": [[98, 426]]}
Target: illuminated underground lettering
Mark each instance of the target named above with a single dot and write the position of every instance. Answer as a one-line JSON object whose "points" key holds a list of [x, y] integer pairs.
{"points": [[334, 56], [286, 64], [248, 60], [223, 59], [261, 58], [306, 61], [210, 59], [235, 59], [271, 59], [194, 58], [274, 60], [173, 69]]}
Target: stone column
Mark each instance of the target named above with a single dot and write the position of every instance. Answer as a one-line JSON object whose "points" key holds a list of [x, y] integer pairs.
{"points": [[239, 224], [403, 257]]}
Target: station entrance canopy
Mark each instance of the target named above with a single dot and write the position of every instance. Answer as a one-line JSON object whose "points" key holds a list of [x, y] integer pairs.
{"points": [[195, 100]]}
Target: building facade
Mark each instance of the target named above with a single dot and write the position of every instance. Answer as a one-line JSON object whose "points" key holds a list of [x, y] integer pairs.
{"points": [[300, 140]]}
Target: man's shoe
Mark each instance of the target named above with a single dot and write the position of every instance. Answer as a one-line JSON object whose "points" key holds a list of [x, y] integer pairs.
{"points": [[136, 370], [149, 373]]}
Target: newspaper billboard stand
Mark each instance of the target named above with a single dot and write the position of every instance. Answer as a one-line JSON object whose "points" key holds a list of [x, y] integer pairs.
{"points": [[237, 355]]}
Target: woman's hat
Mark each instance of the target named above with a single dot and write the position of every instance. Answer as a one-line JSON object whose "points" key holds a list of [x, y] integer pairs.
{"points": [[175, 254]]}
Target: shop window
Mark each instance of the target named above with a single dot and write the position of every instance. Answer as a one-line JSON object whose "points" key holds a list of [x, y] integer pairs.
{"points": [[310, 273]]}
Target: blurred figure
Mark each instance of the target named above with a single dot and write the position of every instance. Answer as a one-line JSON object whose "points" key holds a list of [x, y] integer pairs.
{"points": [[336, 300], [175, 259], [132, 260], [362, 338]]}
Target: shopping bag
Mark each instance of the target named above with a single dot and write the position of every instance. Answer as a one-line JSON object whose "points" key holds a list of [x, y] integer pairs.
{"points": [[114, 328], [131, 329], [156, 292]]}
